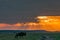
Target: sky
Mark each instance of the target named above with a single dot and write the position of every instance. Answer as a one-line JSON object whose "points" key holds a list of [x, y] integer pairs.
{"points": [[14, 11]]}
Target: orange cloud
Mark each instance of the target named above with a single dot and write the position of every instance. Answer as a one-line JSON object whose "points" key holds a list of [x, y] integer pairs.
{"points": [[17, 24], [48, 23], [3, 25]]}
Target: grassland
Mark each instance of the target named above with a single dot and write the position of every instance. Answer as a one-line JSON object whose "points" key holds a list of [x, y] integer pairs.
{"points": [[29, 36]]}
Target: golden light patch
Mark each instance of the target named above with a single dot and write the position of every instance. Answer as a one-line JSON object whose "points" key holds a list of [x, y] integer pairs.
{"points": [[41, 17], [49, 23]]}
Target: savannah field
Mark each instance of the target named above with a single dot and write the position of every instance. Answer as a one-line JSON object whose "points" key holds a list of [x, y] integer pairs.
{"points": [[29, 35]]}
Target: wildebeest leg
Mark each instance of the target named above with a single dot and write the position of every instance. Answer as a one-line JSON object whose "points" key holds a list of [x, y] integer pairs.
{"points": [[16, 36]]}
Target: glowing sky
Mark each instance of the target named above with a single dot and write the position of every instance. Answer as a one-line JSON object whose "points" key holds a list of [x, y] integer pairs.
{"points": [[48, 23], [30, 15]]}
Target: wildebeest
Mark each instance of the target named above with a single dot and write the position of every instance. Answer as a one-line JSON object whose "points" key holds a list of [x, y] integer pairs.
{"points": [[21, 34]]}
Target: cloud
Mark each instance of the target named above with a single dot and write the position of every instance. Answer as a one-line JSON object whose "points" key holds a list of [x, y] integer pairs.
{"points": [[19, 11]]}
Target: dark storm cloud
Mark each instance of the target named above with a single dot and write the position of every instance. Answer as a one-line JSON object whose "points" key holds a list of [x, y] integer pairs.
{"points": [[12, 11]]}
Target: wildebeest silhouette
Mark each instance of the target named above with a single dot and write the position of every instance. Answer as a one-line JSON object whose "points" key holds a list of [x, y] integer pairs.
{"points": [[20, 34]]}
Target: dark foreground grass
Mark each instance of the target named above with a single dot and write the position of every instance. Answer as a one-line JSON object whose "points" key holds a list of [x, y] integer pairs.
{"points": [[29, 36]]}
